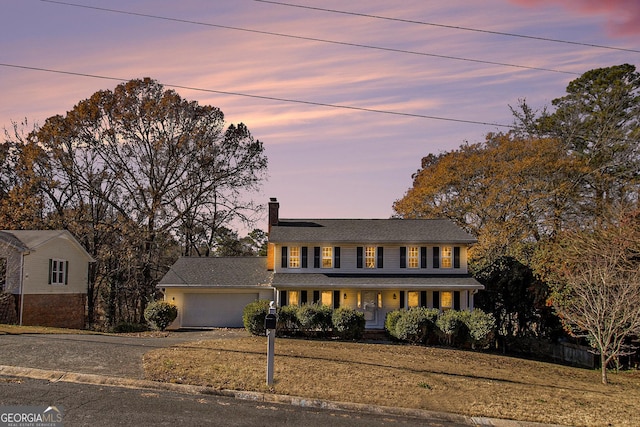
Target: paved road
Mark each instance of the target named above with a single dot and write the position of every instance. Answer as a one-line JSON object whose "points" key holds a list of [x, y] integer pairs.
{"points": [[96, 406]]}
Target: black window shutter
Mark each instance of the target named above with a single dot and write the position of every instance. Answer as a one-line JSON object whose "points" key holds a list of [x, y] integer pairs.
{"points": [[336, 257], [380, 261], [284, 258], [436, 257], [423, 257], [305, 255], [401, 299], [303, 297], [66, 272], [456, 300], [423, 298], [283, 298], [50, 269], [316, 296], [316, 257], [359, 252], [456, 257], [436, 299], [336, 299], [403, 257]]}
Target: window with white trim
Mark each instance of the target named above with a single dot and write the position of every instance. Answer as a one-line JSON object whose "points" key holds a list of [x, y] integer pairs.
{"points": [[413, 257], [327, 257], [446, 257], [446, 300], [413, 299], [294, 257], [58, 270], [292, 298], [370, 257], [326, 298]]}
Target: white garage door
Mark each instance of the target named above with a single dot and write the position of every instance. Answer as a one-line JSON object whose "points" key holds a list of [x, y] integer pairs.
{"points": [[215, 310]]}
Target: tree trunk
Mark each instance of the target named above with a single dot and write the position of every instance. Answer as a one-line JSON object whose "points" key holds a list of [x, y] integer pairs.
{"points": [[603, 367]]}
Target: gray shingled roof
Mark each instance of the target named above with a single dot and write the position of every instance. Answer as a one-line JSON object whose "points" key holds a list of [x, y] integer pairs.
{"points": [[377, 281], [224, 272], [369, 231]]}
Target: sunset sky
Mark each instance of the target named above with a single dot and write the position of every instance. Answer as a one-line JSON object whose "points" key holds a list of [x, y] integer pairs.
{"points": [[439, 73]]}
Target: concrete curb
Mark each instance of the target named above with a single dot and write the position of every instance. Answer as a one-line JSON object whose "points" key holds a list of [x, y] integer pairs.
{"points": [[80, 378]]}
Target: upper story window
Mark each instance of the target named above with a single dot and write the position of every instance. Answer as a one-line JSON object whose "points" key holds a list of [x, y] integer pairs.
{"points": [[370, 257], [327, 257], [58, 271], [294, 257], [446, 257], [413, 257]]}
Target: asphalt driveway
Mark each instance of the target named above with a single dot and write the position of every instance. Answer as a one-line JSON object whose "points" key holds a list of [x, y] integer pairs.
{"points": [[112, 355]]}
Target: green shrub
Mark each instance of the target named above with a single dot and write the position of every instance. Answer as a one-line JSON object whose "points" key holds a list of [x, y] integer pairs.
{"points": [[452, 326], [288, 318], [416, 324], [160, 314], [348, 323], [128, 327], [253, 316], [481, 328], [314, 318], [390, 322]]}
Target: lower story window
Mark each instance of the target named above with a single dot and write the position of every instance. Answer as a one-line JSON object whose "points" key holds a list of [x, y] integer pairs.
{"points": [[446, 300], [413, 299], [327, 298], [292, 298]]}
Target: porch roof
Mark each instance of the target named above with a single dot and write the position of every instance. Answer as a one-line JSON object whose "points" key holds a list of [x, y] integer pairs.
{"points": [[375, 281]]}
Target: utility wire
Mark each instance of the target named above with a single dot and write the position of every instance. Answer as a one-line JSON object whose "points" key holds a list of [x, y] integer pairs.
{"points": [[453, 27], [269, 98], [335, 42]]}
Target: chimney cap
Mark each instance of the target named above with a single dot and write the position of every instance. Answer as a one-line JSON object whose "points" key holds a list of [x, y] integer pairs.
{"points": [[273, 199]]}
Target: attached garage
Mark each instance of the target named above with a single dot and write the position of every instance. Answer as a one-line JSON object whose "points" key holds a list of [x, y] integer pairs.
{"points": [[212, 292], [215, 310]]}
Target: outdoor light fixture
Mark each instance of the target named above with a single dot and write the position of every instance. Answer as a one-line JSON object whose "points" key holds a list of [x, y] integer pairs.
{"points": [[345, 295], [395, 296]]}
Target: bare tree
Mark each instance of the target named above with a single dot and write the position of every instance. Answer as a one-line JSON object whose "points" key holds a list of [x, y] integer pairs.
{"points": [[595, 276]]}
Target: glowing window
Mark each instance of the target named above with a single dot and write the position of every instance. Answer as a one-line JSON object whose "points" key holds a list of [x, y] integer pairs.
{"points": [[370, 257], [292, 297], [414, 257], [446, 300], [327, 257], [294, 257], [447, 252], [413, 299], [327, 298], [379, 300]]}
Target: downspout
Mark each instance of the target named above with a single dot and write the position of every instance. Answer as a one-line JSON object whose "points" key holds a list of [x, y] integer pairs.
{"points": [[21, 286]]}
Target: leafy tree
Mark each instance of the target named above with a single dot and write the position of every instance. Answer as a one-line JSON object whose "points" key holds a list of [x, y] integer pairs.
{"points": [[517, 299], [595, 277], [509, 192], [599, 121]]}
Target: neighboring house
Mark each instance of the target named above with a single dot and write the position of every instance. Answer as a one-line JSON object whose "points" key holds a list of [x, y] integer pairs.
{"points": [[47, 273], [212, 292], [372, 265]]}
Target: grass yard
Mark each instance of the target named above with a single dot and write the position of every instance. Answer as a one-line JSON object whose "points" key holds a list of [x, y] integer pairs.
{"points": [[429, 378]]}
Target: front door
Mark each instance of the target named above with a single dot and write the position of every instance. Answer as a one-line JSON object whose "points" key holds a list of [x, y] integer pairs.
{"points": [[370, 306]]}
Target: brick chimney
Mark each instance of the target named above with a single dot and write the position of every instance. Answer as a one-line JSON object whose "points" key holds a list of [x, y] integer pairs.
{"points": [[274, 213], [274, 219]]}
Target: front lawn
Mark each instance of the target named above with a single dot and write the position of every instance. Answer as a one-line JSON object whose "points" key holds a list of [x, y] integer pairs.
{"points": [[430, 378]]}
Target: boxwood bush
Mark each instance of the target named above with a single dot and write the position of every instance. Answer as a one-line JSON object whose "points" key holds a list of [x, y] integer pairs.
{"points": [[315, 319], [452, 327], [288, 322], [481, 327], [253, 316], [348, 323], [416, 324], [160, 314]]}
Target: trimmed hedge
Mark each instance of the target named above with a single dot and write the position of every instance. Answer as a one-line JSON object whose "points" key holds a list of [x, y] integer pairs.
{"points": [[348, 323], [160, 314], [253, 316], [419, 325]]}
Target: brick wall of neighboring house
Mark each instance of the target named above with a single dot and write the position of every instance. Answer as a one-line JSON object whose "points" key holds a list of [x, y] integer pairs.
{"points": [[56, 310]]}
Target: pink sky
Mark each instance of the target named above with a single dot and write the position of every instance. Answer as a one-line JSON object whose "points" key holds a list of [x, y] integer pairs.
{"points": [[323, 162]]}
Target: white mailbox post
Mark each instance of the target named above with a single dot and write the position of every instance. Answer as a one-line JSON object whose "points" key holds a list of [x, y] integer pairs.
{"points": [[270, 326]]}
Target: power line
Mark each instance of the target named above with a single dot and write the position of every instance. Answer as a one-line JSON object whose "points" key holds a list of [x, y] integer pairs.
{"points": [[269, 98], [453, 27], [291, 36]]}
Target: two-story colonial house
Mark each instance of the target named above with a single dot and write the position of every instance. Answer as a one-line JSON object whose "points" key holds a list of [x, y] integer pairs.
{"points": [[374, 265]]}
